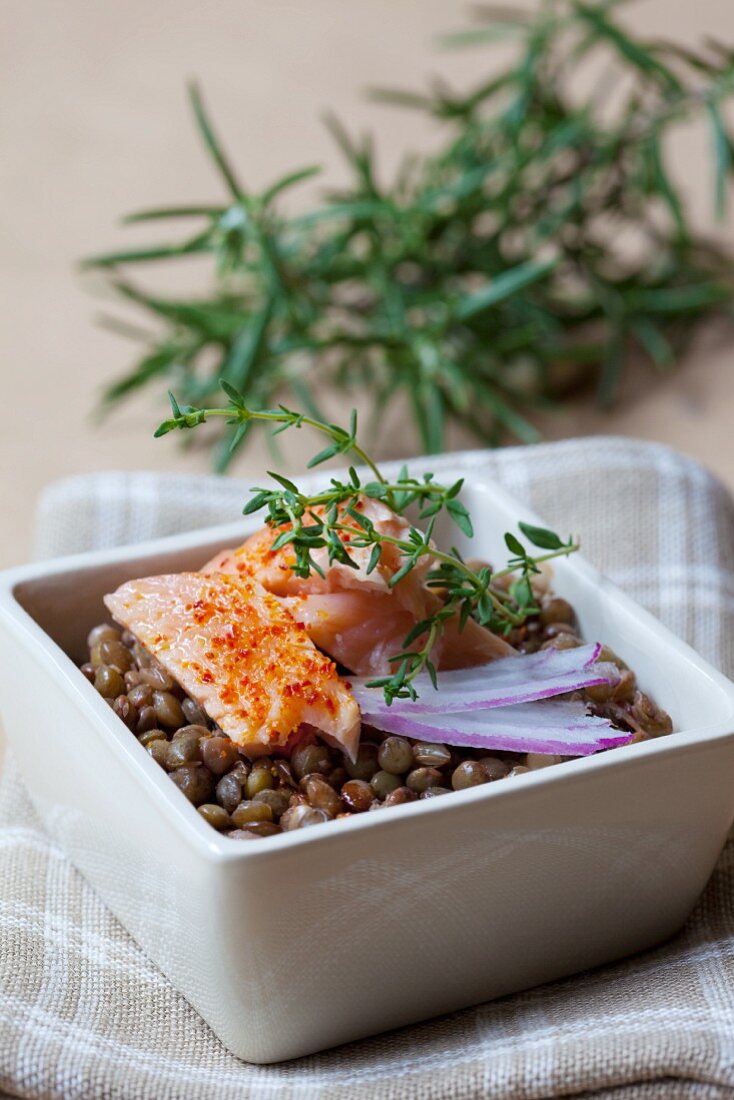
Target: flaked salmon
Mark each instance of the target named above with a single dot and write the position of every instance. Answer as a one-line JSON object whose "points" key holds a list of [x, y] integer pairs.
{"points": [[353, 615], [242, 656], [273, 568]]}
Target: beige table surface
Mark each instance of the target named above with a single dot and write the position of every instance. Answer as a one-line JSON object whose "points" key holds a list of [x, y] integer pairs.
{"points": [[95, 123]]}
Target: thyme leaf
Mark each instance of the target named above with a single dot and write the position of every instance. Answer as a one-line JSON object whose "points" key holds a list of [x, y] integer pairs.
{"points": [[332, 520]]}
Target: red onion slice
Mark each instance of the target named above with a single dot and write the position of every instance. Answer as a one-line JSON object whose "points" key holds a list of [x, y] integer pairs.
{"points": [[503, 683], [560, 728]]}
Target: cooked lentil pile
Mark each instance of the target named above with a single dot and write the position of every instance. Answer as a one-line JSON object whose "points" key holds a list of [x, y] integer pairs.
{"points": [[249, 799]]}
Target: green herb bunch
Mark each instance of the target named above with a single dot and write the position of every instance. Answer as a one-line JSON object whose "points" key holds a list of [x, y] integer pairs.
{"points": [[480, 276], [332, 520]]}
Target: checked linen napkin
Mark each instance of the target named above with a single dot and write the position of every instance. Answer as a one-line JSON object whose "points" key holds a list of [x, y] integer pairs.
{"points": [[84, 1014]]}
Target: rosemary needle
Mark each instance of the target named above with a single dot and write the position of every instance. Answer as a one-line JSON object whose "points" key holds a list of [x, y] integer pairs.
{"points": [[482, 277]]}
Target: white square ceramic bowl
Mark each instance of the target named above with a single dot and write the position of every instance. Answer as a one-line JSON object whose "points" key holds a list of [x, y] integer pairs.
{"points": [[301, 941]]}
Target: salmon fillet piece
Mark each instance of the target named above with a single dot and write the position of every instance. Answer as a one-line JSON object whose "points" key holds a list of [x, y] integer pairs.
{"points": [[353, 615], [237, 651], [360, 630], [273, 568]]}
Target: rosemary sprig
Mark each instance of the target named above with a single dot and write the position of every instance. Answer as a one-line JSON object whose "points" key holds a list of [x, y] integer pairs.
{"points": [[484, 279], [332, 520]]}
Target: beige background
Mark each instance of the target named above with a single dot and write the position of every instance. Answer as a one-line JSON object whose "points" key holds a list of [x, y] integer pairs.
{"points": [[94, 123]]}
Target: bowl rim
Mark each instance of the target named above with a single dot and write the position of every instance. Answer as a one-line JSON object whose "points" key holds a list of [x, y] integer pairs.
{"points": [[196, 832]]}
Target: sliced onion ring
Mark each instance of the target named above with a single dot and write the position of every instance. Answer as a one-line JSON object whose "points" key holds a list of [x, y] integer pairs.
{"points": [[502, 683], [559, 728]]}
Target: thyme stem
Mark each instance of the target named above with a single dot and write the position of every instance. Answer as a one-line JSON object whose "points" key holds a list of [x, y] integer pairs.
{"points": [[331, 520]]}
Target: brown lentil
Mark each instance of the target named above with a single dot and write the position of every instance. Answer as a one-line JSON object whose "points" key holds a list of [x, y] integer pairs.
{"points": [[421, 778], [563, 641], [365, 766], [193, 712], [116, 654], [241, 770], [357, 795], [308, 759], [109, 682], [301, 816], [284, 773], [201, 732], [215, 815], [535, 760], [168, 709], [248, 812], [258, 780], [147, 720], [337, 778], [384, 783], [623, 692], [554, 609], [317, 784], [152, 735], [494, 767], [100, 633], [255, 831], [395, 755], [142, 658], [229, 792], [125, 710], [399, 796], [468, 774], [433, 756], [218, 753], [194, 781], [263, 828], [184, 748], [555, 630], [649, 716], [140, 695], [609, 656], [157, 678], [320, 794], [278, 800], [159, 751]]}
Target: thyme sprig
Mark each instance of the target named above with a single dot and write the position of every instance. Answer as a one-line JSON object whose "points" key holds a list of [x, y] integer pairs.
{"points": [[333, 520], [543, 241]]}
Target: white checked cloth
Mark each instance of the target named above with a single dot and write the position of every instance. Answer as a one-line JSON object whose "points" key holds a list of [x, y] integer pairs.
{"points": [[83, 1013]]}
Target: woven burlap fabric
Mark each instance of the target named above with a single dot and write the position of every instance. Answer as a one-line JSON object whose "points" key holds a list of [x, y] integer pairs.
{"points": [[84, 1014]]}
